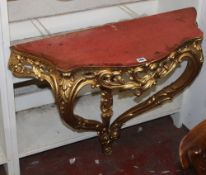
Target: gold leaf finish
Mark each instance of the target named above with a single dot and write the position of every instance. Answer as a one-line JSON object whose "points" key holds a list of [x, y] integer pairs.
{"points": [[66, 85]]}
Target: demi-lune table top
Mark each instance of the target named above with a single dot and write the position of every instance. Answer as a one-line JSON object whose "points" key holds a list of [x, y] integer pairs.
{"points": [[118, 44]]}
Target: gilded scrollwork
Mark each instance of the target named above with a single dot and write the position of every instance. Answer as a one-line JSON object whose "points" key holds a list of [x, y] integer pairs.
{"points": [[66, 85]]}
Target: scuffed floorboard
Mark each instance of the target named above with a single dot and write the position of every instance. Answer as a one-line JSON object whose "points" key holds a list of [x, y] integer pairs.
{"points": [[146, 149]]}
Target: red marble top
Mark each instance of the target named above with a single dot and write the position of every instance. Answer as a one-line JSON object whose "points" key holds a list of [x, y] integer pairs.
{"points": [[118, 44]]}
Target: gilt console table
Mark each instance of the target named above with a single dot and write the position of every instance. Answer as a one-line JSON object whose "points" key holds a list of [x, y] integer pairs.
{"points": [[130, 55]]}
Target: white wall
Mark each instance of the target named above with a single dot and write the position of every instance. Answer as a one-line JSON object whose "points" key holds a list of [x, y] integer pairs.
{"points": [[194, 108], [168, 5], [26, 9]]}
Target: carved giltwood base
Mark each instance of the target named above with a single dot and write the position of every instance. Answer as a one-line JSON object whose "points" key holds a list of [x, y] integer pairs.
{"points": [[66, 85]]}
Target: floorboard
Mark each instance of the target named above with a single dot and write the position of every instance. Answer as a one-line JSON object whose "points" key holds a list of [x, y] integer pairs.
{"points": [[147, 149]]}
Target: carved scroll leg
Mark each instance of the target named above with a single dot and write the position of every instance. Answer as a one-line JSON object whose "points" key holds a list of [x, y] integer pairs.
{"points": [[67, 108], [192, 53], [106, 114]]}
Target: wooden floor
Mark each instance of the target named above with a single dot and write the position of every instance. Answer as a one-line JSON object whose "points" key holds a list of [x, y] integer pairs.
{"points": [[146, 149]]}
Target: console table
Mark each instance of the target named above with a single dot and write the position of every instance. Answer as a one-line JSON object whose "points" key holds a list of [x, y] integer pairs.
{"points": [[130, 55]]}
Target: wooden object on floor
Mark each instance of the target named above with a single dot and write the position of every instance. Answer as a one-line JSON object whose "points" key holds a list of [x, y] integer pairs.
{"points": [[192, 149]]}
